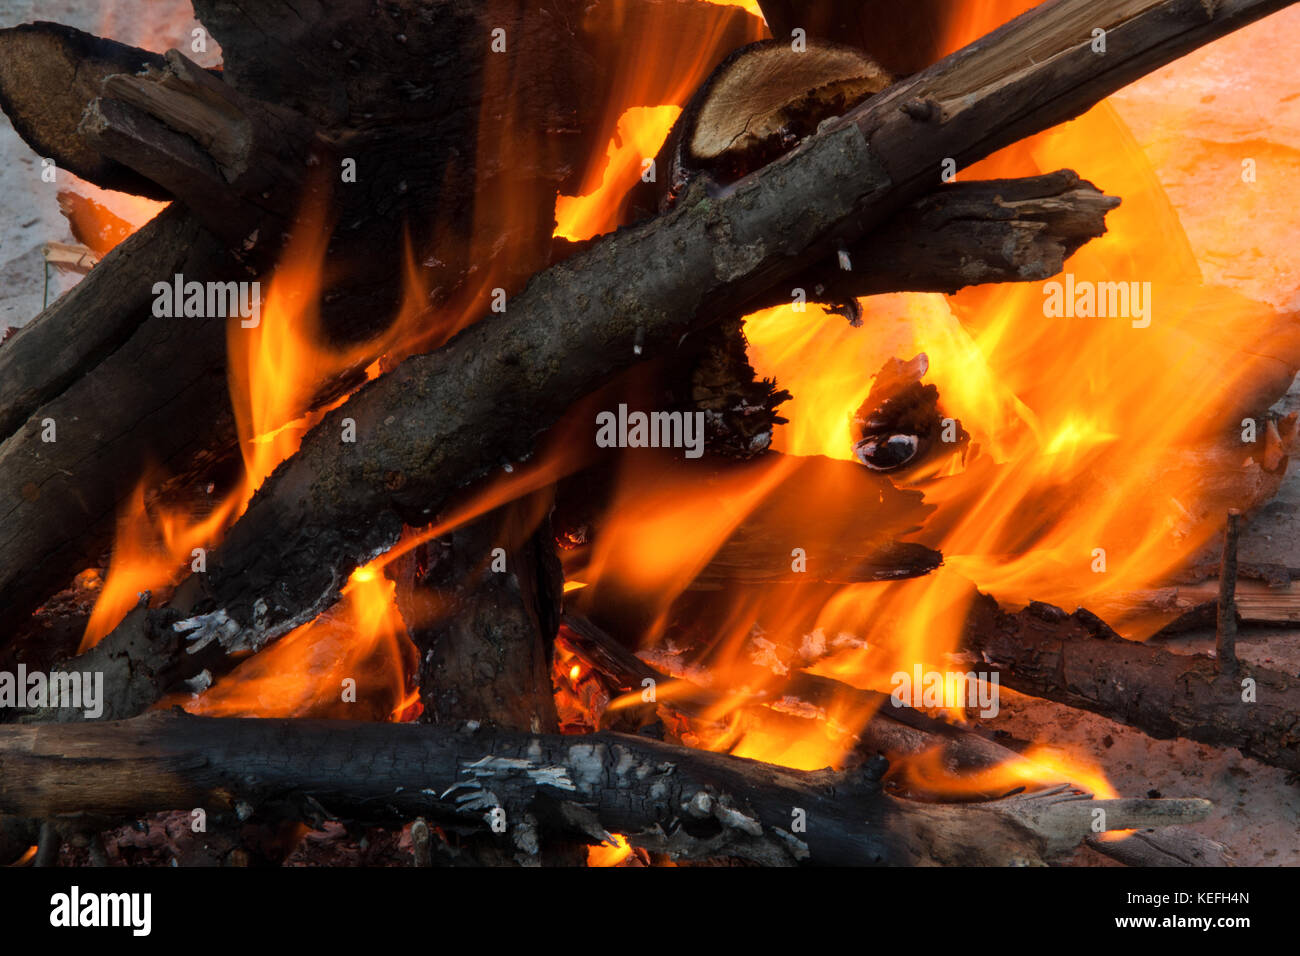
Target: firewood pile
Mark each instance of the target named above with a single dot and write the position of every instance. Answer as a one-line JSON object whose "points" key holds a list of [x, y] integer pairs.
{"points": [[304, 490]]}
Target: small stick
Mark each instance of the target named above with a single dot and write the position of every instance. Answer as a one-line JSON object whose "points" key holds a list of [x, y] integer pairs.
{"points": [[1225, 635], [420, 843]]}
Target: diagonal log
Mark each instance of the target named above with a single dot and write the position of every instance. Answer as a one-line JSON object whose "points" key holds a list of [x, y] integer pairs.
{"points": [[690, 804], [442, 420]]}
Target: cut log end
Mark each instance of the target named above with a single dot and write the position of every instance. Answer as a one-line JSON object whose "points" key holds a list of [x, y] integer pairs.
{"points": [[49, 73]]}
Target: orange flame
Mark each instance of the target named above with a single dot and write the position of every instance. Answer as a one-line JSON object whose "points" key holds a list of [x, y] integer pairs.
{"points": [[606, 855], [344, 664]]}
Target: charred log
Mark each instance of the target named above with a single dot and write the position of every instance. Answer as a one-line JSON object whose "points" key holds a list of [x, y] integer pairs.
{"points": [[690, 804], [897, 734]]}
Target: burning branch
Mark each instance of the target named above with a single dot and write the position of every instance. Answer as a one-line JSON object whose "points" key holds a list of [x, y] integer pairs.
{"points": [[687, 803]]}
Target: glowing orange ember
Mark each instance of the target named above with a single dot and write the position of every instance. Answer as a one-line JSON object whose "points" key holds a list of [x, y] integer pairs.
{"points": [[606, 855]]}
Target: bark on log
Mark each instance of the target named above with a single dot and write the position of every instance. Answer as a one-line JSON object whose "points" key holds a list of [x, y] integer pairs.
{"points": [[484, 630], [1001, 230], [453, 416], [234, 162], [344, 88], [76, 332], [1076, 659], [690, 804]]}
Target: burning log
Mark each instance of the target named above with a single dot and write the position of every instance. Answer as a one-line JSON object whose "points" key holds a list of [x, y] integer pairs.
{"points": [[891, 732], [687, 803], [1077, 659], [962, 234], [451, 417], [1007, 230], [894, 733]]}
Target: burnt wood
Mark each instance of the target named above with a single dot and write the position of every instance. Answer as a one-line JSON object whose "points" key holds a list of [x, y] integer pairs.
{"points": [[690, 804]]}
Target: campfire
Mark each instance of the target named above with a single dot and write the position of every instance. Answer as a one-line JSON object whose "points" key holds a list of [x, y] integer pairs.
{"points": [[646, 433]]}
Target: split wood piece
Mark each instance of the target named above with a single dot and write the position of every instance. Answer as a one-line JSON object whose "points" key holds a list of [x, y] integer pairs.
{"points": [[891, 732], [48, 74], [1255, 603], [69, 257], [484, 622], [689, 804], [1077, 659], [441, 421], [234, 162]]}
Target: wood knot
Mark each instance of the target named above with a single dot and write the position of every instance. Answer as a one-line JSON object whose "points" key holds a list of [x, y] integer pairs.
{"points": [[923, 110]]}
